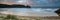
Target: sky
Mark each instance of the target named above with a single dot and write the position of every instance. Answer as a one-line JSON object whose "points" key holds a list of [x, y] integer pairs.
{"points": [[44, 3], [30, 11], [35, 3], [23, 2]]}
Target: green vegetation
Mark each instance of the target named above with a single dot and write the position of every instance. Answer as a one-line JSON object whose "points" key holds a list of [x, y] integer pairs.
{"points": [[14, 17], [11, 17]]}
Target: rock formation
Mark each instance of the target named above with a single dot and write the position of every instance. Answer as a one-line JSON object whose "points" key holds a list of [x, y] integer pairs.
{"points": [[58, 12], [13, 6]]}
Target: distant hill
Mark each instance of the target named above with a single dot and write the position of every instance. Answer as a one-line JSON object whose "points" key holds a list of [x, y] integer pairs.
{"points": [[13, 6]]}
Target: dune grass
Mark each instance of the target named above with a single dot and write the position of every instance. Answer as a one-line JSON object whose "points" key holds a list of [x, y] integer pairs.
{"points": [[14, 17]]}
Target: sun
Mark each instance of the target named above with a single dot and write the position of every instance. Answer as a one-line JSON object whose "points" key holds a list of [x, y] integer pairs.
{"points": [[22, 1]]}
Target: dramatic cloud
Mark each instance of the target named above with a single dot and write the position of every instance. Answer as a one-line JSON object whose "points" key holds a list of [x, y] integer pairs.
{"points": [[43, 3], [23, 2], [34, 3]]}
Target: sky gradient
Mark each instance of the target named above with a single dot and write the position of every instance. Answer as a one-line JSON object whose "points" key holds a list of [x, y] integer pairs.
{"points": [[44, 3], [34, 3]]}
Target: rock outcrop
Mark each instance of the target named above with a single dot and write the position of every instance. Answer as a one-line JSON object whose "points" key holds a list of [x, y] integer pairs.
{"points": [[58, 12], [13, 6]]}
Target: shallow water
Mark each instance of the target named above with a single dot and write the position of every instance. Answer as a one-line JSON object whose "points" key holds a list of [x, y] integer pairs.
{"points": [[30, 11]]}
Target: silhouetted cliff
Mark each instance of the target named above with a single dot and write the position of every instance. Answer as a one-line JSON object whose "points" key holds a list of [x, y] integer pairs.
{"points": [[58, 12], [13, 6]]}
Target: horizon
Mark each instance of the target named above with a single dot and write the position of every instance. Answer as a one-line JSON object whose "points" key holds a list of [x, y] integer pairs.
{"points": [[34, 3], [30, 11]]}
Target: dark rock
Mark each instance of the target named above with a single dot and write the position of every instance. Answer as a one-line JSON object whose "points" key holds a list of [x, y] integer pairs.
{"points": [[58, 12], [13, 6]]}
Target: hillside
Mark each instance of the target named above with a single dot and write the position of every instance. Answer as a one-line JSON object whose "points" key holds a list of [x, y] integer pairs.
{"points": [[13, 6]]}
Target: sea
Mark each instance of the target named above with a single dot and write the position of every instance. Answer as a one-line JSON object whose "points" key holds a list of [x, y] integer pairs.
{"points": [[30, 11]]}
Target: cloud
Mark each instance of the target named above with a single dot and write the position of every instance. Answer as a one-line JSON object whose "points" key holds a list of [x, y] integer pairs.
{"points": [[23, 2], [33, 3], [42, 3]]}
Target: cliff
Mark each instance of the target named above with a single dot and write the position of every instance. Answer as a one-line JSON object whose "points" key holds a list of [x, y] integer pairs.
{"points": [[13, 6]]}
